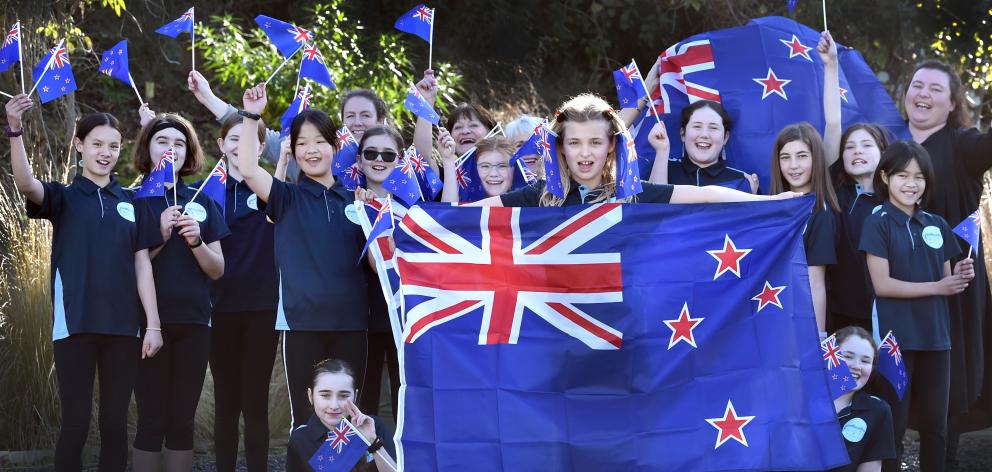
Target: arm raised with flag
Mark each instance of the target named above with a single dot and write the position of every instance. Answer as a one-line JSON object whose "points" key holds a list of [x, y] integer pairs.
{"points": [[257, 178], [423, 132], [827, 49], [446, 147]]}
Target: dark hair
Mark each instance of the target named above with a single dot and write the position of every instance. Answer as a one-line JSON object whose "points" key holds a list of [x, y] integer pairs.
{"points": [[381, 112], [233, 120], [805, 133], [959, 116], [382, 130], [715, 106], [848, 331], [876, 131], [332, 366], [470, 111], [194, 154], [93, 120], [896, 158], [320, 120]]}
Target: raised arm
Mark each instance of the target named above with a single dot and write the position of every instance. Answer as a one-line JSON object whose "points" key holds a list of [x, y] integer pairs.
{"points": [[658, 137], [423, 132], [19, 165], [201, 90], [827, 49], [255, 176], [628, 115], [446, 145]]}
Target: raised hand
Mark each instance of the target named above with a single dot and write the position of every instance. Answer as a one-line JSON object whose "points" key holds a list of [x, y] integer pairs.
{"points": [[15, 110], [145, 115], [658, 137], [445, 145], [364, 423], [827, 48], [255, 99], [428, 86]]}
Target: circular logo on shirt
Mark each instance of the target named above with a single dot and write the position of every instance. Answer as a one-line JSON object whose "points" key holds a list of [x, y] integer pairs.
{"points": [[876, 209], [854, 430], [126, 210], [196, 211], [931, 236], [352, 213], [253, 202]]}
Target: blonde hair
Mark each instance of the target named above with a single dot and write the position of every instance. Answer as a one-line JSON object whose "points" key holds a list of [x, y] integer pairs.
{"points": [[580, 109]]}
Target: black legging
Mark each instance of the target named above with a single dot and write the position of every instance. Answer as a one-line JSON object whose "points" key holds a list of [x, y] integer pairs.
{"points": [[929, 377], [302, 350], [78, 359], [242, 351], [168, 388], [381, 348]]}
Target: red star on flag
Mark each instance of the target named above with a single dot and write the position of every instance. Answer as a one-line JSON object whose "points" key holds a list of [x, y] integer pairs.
{"points": [[843, 93], [729, 258], [730, 426], [682, 327], [769, 296], [772, 84], [797, 48]]}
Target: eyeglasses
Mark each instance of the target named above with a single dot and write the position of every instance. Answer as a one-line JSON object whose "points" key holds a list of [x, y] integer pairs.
{"points": [[489, 168], [371, 154]]}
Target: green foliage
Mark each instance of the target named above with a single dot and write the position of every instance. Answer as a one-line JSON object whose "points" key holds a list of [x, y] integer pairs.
{"points": [[240, 57]]}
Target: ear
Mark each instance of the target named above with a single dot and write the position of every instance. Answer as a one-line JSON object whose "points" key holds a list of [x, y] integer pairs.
{"points": [[261, 146], [78, 144], [310, 396], [682, 134], [220, 145], [885, 177], [726, 137]]}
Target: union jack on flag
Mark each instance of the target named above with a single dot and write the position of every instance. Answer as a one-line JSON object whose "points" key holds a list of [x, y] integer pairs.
{"points": [[831, 352], [418, 21], [890, 364], [424, 14], [12, 35], [342, 449], [10, 52]]}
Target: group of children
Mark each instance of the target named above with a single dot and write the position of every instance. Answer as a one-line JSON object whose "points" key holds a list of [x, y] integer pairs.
{"points": [[145, 297]]}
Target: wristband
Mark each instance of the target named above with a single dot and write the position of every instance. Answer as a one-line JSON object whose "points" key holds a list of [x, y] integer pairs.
{"points": [[249, 115], [199, 242], [376, 445], [153, 329], [11, 133]]}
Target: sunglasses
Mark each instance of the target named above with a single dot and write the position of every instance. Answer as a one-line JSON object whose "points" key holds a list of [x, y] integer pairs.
{"points": [[387, 156]]}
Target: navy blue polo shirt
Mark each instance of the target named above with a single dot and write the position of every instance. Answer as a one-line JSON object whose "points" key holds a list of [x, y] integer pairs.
{"points": [[181, 287], [321, 285], [819, 238], [850, 284], [686, 172], [866, 425], [916, 247], [94, 238], [250, 282], [530, 196]]}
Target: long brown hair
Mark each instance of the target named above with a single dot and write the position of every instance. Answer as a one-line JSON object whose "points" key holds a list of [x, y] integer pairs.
{"points": [[959, 116], [194, 153], [805, 133]]}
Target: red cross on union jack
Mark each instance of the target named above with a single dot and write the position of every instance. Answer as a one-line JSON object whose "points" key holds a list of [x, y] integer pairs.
{"points": [[12, 35], [311, 53], [60, 57], [631, 72], [187, 16], [345, 137], [503, 277], [891, 348], [831, 352], [220, 171], [461, 175], [300, 35], [415, 159], [340, 437], [424, 14]]}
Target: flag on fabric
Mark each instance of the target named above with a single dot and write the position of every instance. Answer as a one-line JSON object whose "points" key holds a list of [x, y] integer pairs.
{"points": [[302, 102], [792, 6], [53, 75], [552, 329], [628, 174], [970, 229], [839, 375], [467, 176], [384, 258], [430, 184], [419, 21], [10, 52], [183, 24], [890, 364], [767, 75], [417, 104], [286, 37], [313, 67], [382, 225], [403, 183], [164, 173], [630, 85], [347, 155], [342, 449], [547, 145], [114, 63], [215, 186]]}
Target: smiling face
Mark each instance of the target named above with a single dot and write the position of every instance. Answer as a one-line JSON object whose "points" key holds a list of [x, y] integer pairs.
{"points": [[467, 131], [906, 186], [165, 139], [928, 100], [378, 170], [358, 114], [795, 161], [704, 137], [861, 154], [329, 395], [313, 152], [859, 355], [99, 151], [494, 169], [586, 146], [229, 147]]}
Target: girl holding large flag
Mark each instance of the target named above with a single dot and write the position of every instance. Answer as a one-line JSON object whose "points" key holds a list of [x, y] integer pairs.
{"points": [[323, 301], [183, 238], [101, 281]]}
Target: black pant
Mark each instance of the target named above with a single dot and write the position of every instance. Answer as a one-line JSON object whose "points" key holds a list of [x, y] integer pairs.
{"points": [[302, 350], [836, 321], [168, 388], [78, 359], [242, 351], [381, 348], [929, 377]]}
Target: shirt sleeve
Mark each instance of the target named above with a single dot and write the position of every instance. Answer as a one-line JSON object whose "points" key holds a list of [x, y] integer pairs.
{"points": [[215, 228], [874, 239], [294, 456], [51, 203], [951, 247], [881, 443], [655, 193], [974, 148], [280, 198], [529, 196], [819, 240], [148, 224]]}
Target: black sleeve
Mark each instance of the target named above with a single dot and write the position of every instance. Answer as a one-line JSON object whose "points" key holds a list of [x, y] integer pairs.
{"points": [[881, 443], [148, 221], [295, 462], [974, 148], [215, 227], [51, 204], [874, 239], [819, 240], [529, 196], [280, 197], [655, 193], [951, 247]]}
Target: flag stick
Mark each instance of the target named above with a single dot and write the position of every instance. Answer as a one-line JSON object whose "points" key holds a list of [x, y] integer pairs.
{"points": [[47, 67], [970, 248], [135, 88], [824, 15], [204, 184], [648, 93], [175, 181], [283, 63], [306, 90], [192, 36], [296, 89], [20, 54], [430, 44], [7, 94]]}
